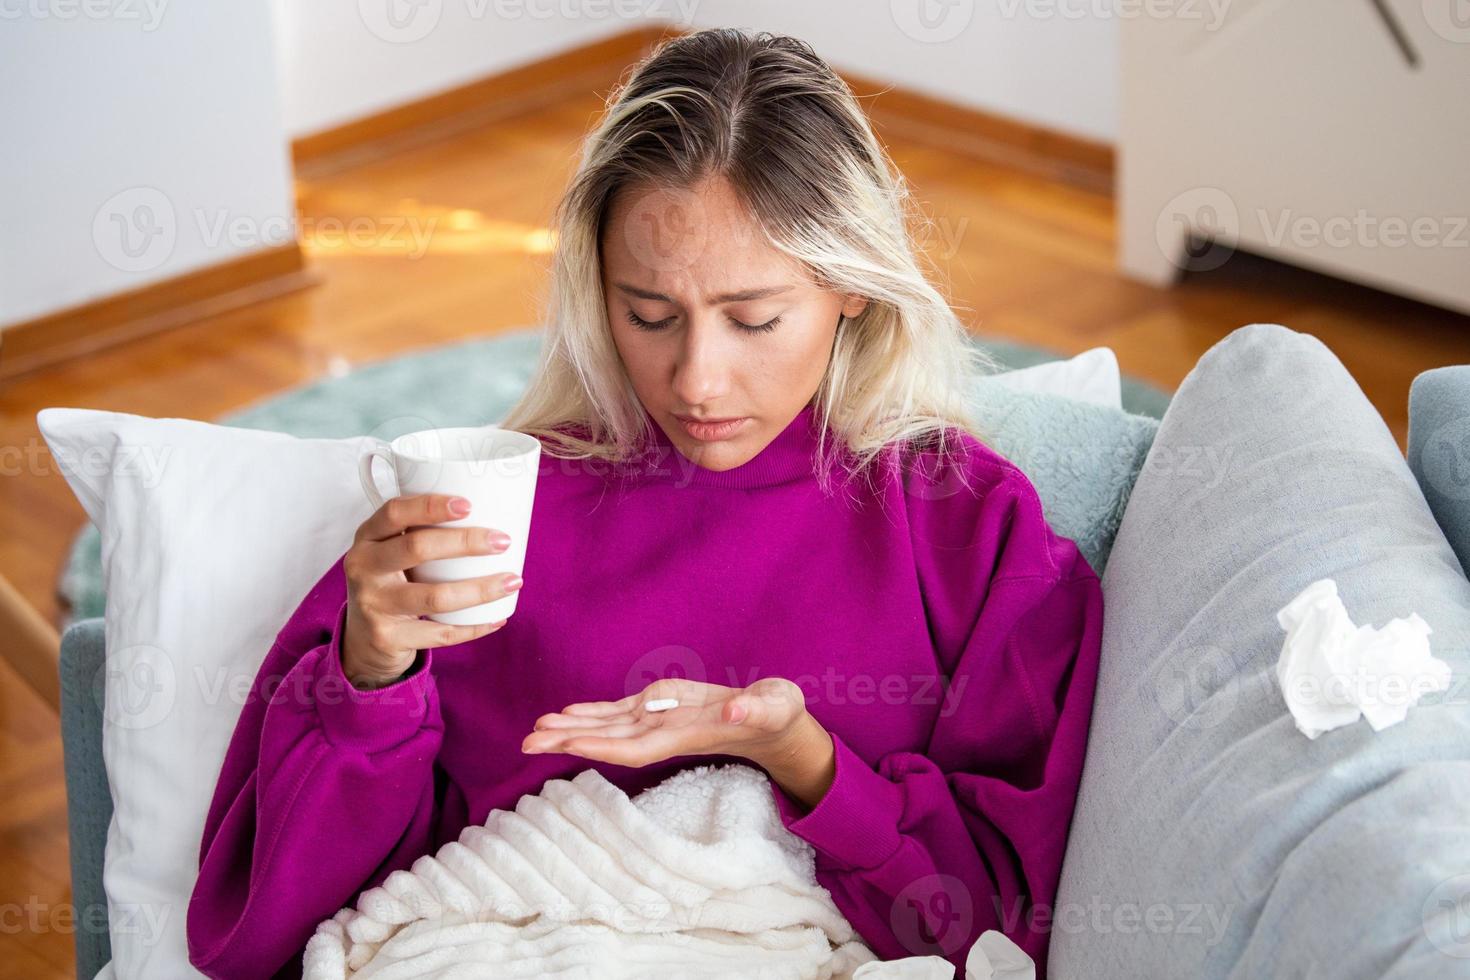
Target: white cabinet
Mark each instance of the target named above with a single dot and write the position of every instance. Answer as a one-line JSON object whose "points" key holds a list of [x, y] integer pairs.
{"points": [[1333, 134]]}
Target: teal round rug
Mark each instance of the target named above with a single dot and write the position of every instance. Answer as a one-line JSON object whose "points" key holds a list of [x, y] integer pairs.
{"points": [[472, 382]]}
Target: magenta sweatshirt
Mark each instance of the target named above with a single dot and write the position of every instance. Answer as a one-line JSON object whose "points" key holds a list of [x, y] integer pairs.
{"points": [[945, 636]]}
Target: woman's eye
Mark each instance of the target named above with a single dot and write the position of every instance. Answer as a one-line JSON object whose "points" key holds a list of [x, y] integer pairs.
{"points": [[766, 327], [652, 325], [643, 324]]}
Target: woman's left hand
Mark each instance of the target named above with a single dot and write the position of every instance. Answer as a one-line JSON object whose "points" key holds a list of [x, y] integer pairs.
{"points": [[766, 723]]}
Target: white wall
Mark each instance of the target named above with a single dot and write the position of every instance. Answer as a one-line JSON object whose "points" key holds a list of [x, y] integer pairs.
{"points": [[1049, 62], [141, 141], [1052, 63], [344, 59]]}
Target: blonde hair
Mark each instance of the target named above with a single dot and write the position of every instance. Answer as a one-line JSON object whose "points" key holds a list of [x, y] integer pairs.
{"points": [[767, 114]]}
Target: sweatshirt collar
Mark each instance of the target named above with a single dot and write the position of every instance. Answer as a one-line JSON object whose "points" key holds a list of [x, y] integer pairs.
{"points": [[789, 456]]}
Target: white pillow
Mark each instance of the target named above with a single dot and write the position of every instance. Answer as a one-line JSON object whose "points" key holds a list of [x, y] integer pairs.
{"points": [[211, 536], [1092, 376]]}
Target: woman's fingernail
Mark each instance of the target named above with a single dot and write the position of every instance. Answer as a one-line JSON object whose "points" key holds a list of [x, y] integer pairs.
{"points": [[459, 506], [513, 583]]}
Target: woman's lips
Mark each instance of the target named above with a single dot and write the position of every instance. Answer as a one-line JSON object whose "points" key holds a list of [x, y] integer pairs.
{"points": [[711, 431]]}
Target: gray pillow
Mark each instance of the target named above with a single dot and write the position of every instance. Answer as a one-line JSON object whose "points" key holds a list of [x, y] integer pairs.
{"points": [[1081, 458], [1211, 838]]}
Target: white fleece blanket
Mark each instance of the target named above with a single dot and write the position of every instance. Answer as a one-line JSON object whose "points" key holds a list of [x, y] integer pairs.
{"points": [[695, 877]]}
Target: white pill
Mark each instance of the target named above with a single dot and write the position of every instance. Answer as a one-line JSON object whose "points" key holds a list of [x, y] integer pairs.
{"points": [[661, 704]]}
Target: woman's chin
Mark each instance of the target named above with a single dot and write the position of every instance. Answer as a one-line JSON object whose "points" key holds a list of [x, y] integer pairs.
{"points": [[716, 456]]}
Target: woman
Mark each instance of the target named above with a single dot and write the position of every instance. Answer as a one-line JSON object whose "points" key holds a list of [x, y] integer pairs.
{"points": [[760, 495]]}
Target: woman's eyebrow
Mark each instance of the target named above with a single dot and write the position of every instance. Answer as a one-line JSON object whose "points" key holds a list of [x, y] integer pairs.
{"points": [[743, 296]]}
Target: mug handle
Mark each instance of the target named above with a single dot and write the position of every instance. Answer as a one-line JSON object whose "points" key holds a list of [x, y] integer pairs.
{"points": [[377, 449]]}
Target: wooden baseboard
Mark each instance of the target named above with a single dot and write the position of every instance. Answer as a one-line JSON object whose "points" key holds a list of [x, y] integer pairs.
{"points": [[466, 107], [1087, 164], [217, 289], [921, 118]]}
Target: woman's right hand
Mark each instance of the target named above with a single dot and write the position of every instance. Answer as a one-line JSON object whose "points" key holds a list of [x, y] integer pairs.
{"points": [[383, 632]]}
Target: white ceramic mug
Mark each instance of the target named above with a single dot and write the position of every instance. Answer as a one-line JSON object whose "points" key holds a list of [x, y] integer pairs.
{"points": [[495, 470]]}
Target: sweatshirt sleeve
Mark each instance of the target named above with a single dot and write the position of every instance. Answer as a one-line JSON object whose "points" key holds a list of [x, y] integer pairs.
{"points": [[325, 789], [925, 850]]}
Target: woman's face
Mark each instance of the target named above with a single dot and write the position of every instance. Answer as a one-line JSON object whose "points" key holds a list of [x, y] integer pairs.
{"points": [[711, 321]]}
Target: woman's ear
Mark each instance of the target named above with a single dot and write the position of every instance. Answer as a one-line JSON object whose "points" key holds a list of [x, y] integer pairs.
{"points": [[853, 305]]}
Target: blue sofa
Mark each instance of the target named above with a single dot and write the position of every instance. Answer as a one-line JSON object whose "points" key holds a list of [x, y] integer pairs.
{"points": [[1270, 469]]}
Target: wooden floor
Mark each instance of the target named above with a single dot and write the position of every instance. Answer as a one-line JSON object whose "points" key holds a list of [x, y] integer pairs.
{"points": [[1025, 258]]}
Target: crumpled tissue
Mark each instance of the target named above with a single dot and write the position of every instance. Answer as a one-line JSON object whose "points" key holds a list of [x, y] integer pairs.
{"points": [[1333, 672], [991, 957]]}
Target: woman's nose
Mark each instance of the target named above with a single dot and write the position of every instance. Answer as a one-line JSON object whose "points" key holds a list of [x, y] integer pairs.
{"points": [[702, 370]]}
